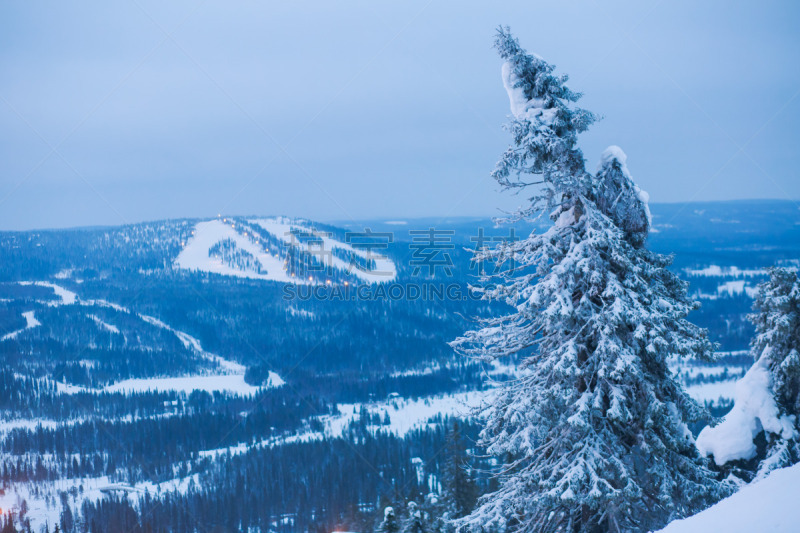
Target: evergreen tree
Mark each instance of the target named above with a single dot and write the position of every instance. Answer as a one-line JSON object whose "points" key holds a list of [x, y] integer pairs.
{"points": [[459, 489], [414, 522], [762, 430], [8, 525], [593, 431], [777, 341], [389, 523]]}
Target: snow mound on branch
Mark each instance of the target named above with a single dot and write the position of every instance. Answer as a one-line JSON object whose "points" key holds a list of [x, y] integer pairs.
{"points": [[521, 107], [767, 505], [620, 198], [754, 410], [615, 153], [611, 154]]}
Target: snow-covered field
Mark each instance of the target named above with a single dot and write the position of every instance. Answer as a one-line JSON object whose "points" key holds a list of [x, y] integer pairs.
{"points": [[67, 297], [233, 383], [45, 510], [716, 271], [407, 414], [734, 281], [713, 392]]}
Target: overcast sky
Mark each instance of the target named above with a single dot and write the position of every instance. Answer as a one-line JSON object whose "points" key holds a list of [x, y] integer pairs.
{"points": [[118, 112]]}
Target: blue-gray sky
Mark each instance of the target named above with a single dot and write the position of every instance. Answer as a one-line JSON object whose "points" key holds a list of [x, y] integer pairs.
{"points": [[114, 112]]}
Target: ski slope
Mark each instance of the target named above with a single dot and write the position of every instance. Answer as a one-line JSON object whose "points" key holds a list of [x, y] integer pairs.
{"points": [[384, 271], [195, 254]]}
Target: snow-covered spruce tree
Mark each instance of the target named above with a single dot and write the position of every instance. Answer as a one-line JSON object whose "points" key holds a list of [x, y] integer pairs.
{"points": [[459, 488], [415, 522], [592, 433], [777, 321], [389, 523], [762, 430]]}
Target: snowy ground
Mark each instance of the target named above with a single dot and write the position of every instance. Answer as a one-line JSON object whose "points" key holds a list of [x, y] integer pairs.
{"points": [[715, 271], [407, 414], [744, 281], [230, 383], [713, 393], [769, 505], [66, 296]]}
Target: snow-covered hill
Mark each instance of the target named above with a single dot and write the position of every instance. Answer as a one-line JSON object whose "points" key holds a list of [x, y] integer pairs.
{"points": [[264, 248], [228, 375], [769, 505]]}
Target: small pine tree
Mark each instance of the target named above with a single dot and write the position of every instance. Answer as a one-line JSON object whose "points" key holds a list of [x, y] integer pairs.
{"points": [[459, 489], [593, 431], [389, 523], [414, 522]]}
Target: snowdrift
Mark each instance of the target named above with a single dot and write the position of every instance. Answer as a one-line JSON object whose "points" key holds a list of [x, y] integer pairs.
{"points": [[767, 505]]}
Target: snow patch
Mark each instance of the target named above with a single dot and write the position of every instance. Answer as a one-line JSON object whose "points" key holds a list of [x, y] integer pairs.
{"points": [[226, 383], [718, 271], [406, 414], [735, 288], [67, 297], [64, 274], [30, 322], [712, 393], [521, 107], [105, 325]]}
